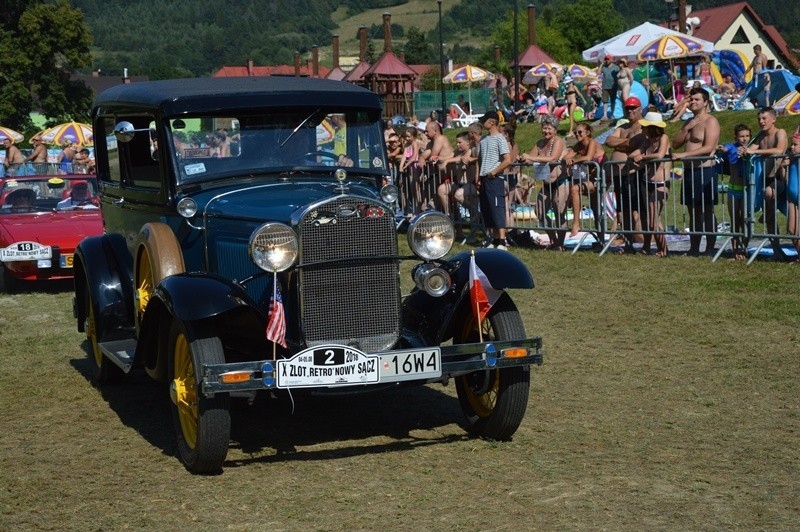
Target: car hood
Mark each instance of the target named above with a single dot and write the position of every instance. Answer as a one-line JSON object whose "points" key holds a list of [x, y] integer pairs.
{"points": [[63, 229], [277, 202]]}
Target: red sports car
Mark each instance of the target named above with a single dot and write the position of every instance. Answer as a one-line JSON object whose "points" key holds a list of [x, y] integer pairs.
{"points": [[42, 219]]}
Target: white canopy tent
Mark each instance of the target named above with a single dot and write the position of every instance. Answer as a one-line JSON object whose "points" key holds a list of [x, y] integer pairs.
{"points": [[631, 42]]}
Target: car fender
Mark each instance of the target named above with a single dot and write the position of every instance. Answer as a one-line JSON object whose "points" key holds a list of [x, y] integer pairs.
{"points": [[437, 317], [191, 298], [104, 266]]}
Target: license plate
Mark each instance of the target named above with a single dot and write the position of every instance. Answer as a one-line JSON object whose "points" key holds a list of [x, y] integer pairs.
{"points": [[411, 365], [66, 260], [25, 251], [331, 365]]}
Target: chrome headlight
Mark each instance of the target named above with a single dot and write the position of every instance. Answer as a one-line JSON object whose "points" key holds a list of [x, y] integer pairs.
{"points": [[431, 235], [187, 207], [273, 247], [432, 279], [389, 194]]}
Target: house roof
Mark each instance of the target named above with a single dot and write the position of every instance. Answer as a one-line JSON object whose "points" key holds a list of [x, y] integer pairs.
{"points": [[390, 65], [715, 21], [532, 56], [336, 74], [358, 72], [269, 70]]}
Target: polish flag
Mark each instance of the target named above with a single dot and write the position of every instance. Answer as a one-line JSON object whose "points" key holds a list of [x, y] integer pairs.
{"points": [[481, 293]]}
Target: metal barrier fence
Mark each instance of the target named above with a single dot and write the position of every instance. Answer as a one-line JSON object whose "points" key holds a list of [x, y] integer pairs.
{"points": [[23, 169], [671, 205]]}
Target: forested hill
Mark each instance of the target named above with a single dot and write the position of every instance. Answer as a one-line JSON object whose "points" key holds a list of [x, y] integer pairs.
{"points": [[172, 38]]}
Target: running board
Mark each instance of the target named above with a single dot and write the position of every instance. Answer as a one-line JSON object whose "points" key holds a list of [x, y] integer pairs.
{"points": [[120, 352]]}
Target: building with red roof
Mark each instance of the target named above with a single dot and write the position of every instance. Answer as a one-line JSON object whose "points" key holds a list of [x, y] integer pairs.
{"points": [[738, 27]]}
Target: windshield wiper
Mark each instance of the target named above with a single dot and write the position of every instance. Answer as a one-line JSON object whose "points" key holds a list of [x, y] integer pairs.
{"points": [[301, 124]]}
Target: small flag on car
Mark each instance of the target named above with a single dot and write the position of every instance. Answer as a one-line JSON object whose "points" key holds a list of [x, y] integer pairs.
{"points": [[276, 320], [481, 293]]}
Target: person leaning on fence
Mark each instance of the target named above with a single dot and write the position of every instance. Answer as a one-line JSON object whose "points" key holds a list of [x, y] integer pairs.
{"points": [[770, 142], [432, 159], [791, 170], [551, 203], [14, 162], [584, 177], [656, 174], [495, 157], [700, 137], [39, 155], [464, 191], [624, 175], [735, 154]]}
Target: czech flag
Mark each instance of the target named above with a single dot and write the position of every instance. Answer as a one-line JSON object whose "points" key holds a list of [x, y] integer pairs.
{"points": [[481, 293], [276, 320]]}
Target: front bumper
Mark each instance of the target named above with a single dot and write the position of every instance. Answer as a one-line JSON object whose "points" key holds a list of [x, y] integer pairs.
{"points": [[455, 360]]}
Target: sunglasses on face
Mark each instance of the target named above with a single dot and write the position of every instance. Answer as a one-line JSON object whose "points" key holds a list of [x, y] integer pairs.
{"points": [[579, 132], [631, 108]]}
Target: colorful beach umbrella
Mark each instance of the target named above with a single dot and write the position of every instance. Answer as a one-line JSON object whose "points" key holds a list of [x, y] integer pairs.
{"points": [[7, 133], [72, 131], [466, 74], [789, 104], [670, 47], [580, 72], [535, 74]]}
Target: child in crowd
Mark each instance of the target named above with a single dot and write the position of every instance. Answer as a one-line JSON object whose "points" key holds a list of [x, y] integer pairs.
{"points": [[735, 153]]}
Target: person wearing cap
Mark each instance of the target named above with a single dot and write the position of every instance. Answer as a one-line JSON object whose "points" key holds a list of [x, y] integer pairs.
{"points": [[39, 155], [78, 197], [571, 94], [624, 79], [653, 149], [495, 157], [624, 175], [700, 137], [609, 72]]}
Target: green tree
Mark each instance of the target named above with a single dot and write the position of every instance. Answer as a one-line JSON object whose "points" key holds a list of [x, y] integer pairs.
{"points": [[41, 45], [586, 22], [418, 49]]}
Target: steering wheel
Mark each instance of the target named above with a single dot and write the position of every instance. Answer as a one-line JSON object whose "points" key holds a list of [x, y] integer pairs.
{"points": [[319, 153]]}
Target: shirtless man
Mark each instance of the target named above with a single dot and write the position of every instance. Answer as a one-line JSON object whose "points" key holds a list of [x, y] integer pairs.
{"points": [[758, 63], [624, 176], [700, 136], [14, 158], [437, 151], [39, 156], [771, 141]]}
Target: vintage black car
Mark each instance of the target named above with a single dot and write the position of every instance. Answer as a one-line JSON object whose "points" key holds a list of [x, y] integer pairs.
{"points": [[251, 245]]}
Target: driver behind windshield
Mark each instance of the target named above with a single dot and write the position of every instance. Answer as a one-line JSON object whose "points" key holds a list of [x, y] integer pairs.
{"points": [[78, 197]]}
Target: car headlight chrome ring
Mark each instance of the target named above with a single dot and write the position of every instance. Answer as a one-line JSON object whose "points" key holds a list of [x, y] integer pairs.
{"points": [[431, 235], [273, 247]]}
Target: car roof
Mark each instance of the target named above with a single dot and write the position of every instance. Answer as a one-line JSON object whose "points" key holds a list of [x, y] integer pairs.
{"points": [[177, 96]]}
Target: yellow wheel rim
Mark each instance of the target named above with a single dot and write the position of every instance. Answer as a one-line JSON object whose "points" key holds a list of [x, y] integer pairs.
{"points": [[145, 283], [184, 390], [91, 333], [484, 404]]}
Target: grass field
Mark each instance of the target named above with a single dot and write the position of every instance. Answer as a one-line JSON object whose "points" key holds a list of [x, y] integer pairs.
{"points": [[668, 400]]}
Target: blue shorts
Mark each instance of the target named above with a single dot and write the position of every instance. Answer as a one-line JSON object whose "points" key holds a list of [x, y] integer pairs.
{"points": [[493, 202]]}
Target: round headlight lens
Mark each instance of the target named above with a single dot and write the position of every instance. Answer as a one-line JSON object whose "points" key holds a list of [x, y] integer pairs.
{"points": [[273, 247], [431, 235], [389, 193], [187, 207]]}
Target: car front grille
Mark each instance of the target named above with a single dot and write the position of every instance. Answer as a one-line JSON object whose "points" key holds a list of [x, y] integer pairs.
{"points": [[355, 302]]}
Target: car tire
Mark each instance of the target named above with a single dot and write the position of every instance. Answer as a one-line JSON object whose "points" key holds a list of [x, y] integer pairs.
{"points": [[202, 424], [8, 283], [104, 371], [158, 255], [494, 401]]}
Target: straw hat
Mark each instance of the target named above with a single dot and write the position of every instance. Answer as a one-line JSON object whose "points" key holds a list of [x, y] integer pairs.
{"points": [[653, 119]]}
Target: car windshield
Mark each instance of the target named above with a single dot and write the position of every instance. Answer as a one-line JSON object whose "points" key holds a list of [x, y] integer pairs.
{"points": [[304, 139], [31, 195]]}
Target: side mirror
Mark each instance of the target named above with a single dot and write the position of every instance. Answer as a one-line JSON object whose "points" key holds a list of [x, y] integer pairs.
{"points": [[124, 131]]}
